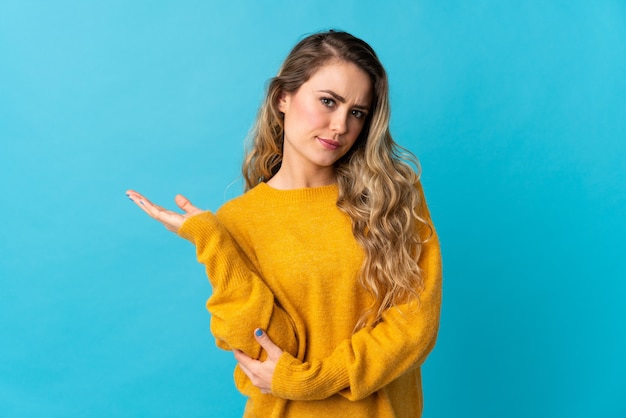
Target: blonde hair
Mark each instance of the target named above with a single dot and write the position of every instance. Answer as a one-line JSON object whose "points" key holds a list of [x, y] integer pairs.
{"points": [[376, 180]]}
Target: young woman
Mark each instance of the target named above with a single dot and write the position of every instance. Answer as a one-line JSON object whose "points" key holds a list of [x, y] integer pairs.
{"points": [[326, 272]]}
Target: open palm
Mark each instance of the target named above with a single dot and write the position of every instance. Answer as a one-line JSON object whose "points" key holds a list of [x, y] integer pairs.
{"points": [[170, 219]]}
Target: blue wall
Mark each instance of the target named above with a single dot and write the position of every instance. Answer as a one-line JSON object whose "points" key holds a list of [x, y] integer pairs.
{"points": [[516, 109]]}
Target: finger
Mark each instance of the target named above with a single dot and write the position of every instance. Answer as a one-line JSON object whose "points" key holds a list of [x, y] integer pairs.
{"points": [[240, 356], [140, 201], [133, 195], [186, 205], [146, 205], [273, 351], [171, 220], [254, 370], [245, 363], [242, 364], [138, 198]]}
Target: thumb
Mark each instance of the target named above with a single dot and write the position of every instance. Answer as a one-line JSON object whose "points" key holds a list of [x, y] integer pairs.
{"points": [[273, 351], [186, 205]]}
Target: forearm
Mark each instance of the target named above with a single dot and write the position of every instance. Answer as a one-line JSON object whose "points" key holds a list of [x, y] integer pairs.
{"points": [[368, 361], [240, 300], [375, 356]]}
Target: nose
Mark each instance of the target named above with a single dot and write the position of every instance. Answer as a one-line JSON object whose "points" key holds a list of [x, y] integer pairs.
{"points": [[338, 123]]}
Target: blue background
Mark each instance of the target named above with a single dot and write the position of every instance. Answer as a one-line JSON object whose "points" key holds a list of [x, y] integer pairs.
{"points": [[516, 109]]}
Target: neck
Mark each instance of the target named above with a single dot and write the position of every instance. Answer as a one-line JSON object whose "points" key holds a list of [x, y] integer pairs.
{"points": [[286, 179]]}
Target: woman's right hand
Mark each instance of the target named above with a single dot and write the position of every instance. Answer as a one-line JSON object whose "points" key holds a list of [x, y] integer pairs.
{"points": [[170, 219]]}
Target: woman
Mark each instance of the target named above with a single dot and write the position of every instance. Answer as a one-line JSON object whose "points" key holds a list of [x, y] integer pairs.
{"points": [[326, 272]]}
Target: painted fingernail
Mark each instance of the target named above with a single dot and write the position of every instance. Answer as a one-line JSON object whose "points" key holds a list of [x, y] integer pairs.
{"points": [[141, 201], [258, 332]]}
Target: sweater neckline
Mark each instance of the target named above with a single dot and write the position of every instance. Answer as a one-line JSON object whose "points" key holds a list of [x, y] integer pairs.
{"points": [[298, 195]]}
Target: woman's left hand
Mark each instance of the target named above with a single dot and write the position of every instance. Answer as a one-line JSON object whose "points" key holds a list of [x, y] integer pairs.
{"points": [[260, 372]]}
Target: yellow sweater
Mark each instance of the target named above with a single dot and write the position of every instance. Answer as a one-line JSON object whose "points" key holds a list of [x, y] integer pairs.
{"points": [[286, 261]]}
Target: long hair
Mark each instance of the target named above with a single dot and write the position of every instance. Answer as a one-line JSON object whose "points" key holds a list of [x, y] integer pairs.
{"points": [[376, 178]]}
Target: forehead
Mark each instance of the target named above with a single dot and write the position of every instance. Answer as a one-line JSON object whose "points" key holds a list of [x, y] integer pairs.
{"points": [[344, 78]]}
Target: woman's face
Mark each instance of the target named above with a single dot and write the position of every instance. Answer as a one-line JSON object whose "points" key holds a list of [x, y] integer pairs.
{"points": [[325, 116]]}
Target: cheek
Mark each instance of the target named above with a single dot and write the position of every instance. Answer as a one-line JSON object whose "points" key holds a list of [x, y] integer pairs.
{"points": [[310, 115], [356, 128]]}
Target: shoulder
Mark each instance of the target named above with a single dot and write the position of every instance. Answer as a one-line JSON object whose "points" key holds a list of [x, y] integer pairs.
{"points": [[422, 206], [426, 228], [241, 205]]}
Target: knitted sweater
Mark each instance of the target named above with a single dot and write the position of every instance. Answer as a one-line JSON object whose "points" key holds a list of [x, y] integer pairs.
{"points": [[286, 261]]}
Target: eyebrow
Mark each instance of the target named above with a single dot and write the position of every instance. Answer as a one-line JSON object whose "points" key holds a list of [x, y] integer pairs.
{"points": [[341, 99]]}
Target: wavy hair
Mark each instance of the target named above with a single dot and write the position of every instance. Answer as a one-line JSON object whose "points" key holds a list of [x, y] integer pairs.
{"points": [[376, 178]]}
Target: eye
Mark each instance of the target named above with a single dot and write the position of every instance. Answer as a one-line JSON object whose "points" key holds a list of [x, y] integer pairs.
{"points": [[327, 101], [359, 114]]}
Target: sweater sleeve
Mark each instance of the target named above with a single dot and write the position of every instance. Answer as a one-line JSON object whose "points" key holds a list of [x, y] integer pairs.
{"points": [[374, 356], [240, 301]]}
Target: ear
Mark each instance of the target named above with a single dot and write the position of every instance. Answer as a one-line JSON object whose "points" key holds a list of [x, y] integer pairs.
{"points": [[283, 102]]}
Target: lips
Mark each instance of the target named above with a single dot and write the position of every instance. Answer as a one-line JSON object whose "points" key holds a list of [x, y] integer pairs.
{"points": [[329, 143]]}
